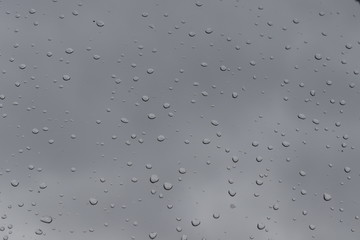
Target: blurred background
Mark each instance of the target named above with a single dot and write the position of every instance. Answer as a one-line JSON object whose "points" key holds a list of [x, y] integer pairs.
{"points": [[218, 119]]}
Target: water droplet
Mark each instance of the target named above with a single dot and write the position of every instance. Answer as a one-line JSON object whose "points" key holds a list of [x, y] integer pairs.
{"points": [[301, 116], [214, 122], [14, 183], [39, 232], [100, 23], [206, 141], [167, 186], [296, 21], [35, 131], [46, 219], [259, 158], [276, 206], [154, 178], [231, 192], [145, 98], [315, 121], [124, 120], [327, 197], [318, 56], [151, 116], [66, 77], [260, 226], [208, 30], [198, 4], [235, 159], [161, 138], [192, 34], [216, 215], [312, 227], [223, 68], [195, 222], [42, 186], [69, 50], [152, 235], [93, 201]]}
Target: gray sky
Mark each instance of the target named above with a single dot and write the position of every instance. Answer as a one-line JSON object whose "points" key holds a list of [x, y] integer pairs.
{"points": [[245, 115]]}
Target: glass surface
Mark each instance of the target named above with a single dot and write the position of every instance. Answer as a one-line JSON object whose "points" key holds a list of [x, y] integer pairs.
{"points": [[179, 119]]}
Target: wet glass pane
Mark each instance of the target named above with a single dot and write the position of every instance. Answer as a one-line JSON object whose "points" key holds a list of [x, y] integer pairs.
{"points": [[166, 119]]}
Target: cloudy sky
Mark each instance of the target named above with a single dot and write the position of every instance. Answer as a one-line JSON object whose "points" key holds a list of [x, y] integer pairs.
{"points": [[165, 119]]}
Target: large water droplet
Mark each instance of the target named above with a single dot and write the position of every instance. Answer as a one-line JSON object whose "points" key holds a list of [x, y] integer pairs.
{"points": [[100, 23], [327, 197], [154, 178], [260, 226], [167, 186]]}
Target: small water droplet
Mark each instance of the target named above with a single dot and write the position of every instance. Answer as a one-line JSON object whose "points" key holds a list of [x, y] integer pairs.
{"points": [[208, 30], [150, 70], [206, 141], [66, 77], [152, 235], [312, 227], [46, 219], [14, 183], [35, 131], [151, 116], [69, 50], [301, 116], [161, 138], [318, 56], [195, 222], [93, 201], [39, 232]]}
